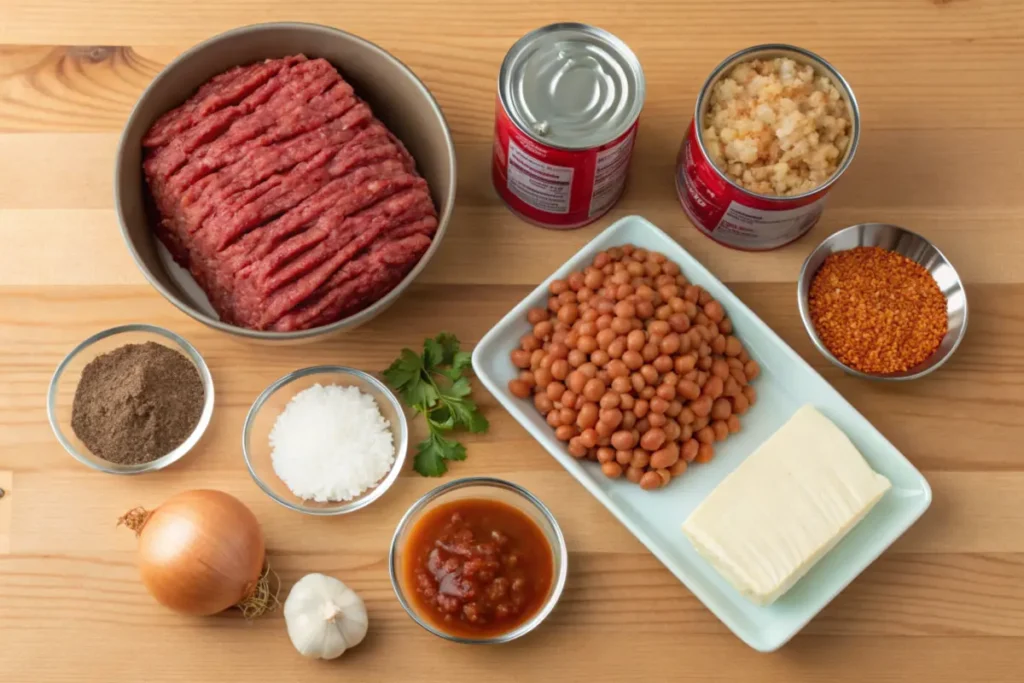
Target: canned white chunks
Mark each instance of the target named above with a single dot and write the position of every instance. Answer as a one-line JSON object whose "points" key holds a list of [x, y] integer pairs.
{"points": [[774, 127], [569, 97]]}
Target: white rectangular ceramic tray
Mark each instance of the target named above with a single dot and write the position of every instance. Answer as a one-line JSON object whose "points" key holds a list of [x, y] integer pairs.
{"points": [[786, 383]]}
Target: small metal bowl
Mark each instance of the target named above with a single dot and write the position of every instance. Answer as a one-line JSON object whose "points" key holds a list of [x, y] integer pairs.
{"points": [[260, 420], [491, 489], [60, 398], [914, 247]]}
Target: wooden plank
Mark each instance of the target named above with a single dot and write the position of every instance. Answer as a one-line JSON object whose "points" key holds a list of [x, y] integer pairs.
{"points": [[6, 507]]}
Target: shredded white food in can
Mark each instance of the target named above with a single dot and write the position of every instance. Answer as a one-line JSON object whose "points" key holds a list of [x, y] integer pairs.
{"points": [[331, 443]]}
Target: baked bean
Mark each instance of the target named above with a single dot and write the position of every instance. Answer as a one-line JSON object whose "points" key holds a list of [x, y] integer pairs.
{"points": [[605, 337], [677, 468], [544, 329], [692, 375], [669, 345], [702, 406], [725, 327], [686, 432], [519, 388], [675, 408], [554, 390], [649, 374], [719, 368], [739, 376], [527, 376], [733, 423], [650, 481], [705, 453], [640, 407], [617, 347], [663, 312], [575, 381], [588, 437], [668, 292], [732, 346], [672, 430], [714, 311], [605, 454], [542, 376], [627, 401], [628, 420], [586, 343], [665, 457], [751, 369], [520, 358], [589, 370], [568, 399], [679, 322], [718, 345], [641, 458], [700, 423], [600, 358], [658, 404], [685, 363], [714, 387], [622, 325], [635, 340], [688, 389], [638, 383], [634, 474], [624, 457], [588, 315], [705, 296], [653, 439], [587, 417], [576, 358], [564, 432], [751, 394], [605, 307], [656, 419], [604, 433], [689, 450], [732, 387], [568, 313], [622, 384], [633, 359], [647, 393], [610, 399], [558, 286], [603, 322], [721, 409], [721, 430], [740, 404], [612, 470], [611, 417], [666, 392], [660, 327], [705, 363], [542, 403], [558, 350], [560, 369], [567, 416], [663, 364], [644, 307], [594, 389], [624, 309], [650, 352], [706, 435]]}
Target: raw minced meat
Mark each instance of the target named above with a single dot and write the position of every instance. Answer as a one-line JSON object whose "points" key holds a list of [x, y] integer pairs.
{"points": [[287, 200]]}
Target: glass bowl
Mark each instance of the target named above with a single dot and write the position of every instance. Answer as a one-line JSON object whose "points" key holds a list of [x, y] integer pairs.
{"points": [[65, 380], [490, 489], [917, 249], [260, 420]]}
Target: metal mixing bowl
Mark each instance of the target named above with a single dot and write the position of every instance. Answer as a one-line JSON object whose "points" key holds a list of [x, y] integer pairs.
{"points": [[914, 247], [396, 95]]}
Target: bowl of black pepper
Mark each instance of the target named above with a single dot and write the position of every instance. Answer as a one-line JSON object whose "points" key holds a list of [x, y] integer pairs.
{"points": [[131, 399]]}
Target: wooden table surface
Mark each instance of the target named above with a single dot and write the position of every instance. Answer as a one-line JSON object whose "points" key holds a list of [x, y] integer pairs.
{"points": [[940, 86]]}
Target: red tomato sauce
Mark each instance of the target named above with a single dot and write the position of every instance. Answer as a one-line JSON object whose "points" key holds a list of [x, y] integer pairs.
{"points": [[477, 568]]}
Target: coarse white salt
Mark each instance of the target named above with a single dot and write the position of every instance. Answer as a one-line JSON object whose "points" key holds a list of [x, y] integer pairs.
{"points": [[331, 443]]}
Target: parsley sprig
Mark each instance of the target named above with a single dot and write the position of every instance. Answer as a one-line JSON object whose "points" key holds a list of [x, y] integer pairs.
{"points": [[437, 386]]}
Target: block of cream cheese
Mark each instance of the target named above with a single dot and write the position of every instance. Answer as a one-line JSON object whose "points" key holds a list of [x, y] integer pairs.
{"points": [[785, 507]]}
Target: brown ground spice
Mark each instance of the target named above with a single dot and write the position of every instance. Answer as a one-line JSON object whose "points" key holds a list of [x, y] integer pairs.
{"points": [[137, 403], [877, 311]]}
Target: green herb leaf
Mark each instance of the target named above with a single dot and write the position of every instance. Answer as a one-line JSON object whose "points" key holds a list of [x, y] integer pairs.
{"points": [[436, 384]]}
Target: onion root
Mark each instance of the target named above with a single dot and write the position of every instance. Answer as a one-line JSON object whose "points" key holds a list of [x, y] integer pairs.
{"points": [[135, 519], [263, 597]]}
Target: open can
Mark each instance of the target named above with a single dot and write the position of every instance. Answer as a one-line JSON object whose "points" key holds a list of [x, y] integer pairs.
{"points": [[731, 214], [569, 97]]}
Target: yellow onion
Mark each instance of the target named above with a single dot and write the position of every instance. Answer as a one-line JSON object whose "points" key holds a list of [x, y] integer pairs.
{"points": [[202, 552]]}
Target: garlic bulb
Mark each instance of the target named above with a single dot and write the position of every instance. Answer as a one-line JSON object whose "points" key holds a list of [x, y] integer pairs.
{"points": [[324, 617]]}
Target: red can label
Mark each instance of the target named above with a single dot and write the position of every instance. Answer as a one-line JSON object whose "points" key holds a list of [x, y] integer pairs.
{"points": [[736, 218], [553, 187]]}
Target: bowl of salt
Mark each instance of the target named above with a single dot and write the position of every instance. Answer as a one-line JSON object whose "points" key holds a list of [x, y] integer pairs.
{"points": [[325, 440]]}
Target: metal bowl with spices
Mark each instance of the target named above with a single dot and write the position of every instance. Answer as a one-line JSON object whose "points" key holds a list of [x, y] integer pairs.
{"points": [[722, 208], [392, 90], [64, 384], [914, 247]]}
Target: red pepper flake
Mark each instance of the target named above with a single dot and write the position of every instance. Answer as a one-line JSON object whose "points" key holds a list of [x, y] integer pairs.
{"points": [[877, 311]]}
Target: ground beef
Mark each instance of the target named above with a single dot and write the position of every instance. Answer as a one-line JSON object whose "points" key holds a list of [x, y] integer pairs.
{"points": [[288, 201]]}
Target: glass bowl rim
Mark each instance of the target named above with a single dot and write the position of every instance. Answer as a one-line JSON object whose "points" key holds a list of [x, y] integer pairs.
{"points": [[340, 508], [164, 460], [558, 549]]}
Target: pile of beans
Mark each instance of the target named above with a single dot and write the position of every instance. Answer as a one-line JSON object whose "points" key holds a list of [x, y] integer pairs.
{"points": [[635, 367]]}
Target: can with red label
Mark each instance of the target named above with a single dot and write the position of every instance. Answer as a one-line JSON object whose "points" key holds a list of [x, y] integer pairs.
{"points": [[737, 217], [569, 97]]}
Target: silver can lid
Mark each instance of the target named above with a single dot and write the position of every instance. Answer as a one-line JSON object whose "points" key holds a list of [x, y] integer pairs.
{"points": [[571, 85]]}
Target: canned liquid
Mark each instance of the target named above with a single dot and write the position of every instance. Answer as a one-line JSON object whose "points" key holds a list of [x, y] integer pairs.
{"points": [[569, 97]]}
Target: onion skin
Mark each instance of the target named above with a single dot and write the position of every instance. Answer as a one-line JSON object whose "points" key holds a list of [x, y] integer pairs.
{"points": [[201, 552]]}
